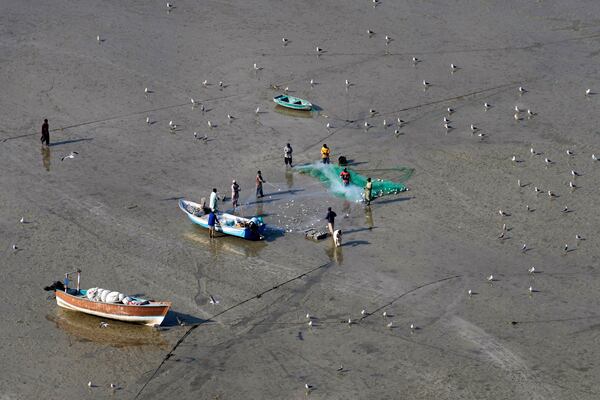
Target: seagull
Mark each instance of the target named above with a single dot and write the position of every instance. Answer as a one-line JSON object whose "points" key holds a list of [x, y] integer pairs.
{"points": [[530, 289], [517, 117], [551, 194], [547, 161], [385, 123], [517, 109], [312, 82], [524, 248], [519, 182], [310, 323], [367, 125], [14, 247], [566, 248], [536, 189], [425, 83], [572, 185], [202, 108], [531, 270], [578, 237], [307, 386], [146, 90], [347, 83], [387, 39], [349, 321], [220, 83], [372, 111], [574, 173], [328, 125], [90, 384], [588, 92], [566, 209], [318, 49], [594, 157], [212, 300], [22, 220], [450, 110], [210, 125], [148, 120], [502, 213], [256, 67], [522, 89], [340, 369], [169, 6], [490, 278], [397, 132], [453, 67], [103, 324], [71, 155], [98, 39], [412, 327], [528, 208], [308, 316], [390, 324], [473, 128], [486, 105], [570, 152], [470, 292], [257, 111], [113, 386], [205, 82], [370, 32], [284, 40], [363, 312], [193, 101], [384, 314], [446, 120], [286, 90], [447, 126], [415, 60], [530, 113], [503, 227], [532, 151], [229, 116], [514, 158], [400, 121], [501, 236]]}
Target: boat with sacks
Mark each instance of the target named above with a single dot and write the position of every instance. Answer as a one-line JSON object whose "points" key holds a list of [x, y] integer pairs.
{"points": [[108, 303]]}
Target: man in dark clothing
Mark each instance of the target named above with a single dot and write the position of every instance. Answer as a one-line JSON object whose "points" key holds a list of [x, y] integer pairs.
{"points": [[330, 217], [212, 221], [45, 133], [287, 155]]}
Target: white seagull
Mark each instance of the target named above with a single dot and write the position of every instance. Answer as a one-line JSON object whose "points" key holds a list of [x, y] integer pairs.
{"points": [[531, 270], [284, 40], [229, 116], [71, 155], [490, 278], [98, 39], [470, 292], [257, 111], [450, 110], [205, 82], [318, 49], [473, 128], [22, 220], [570, 152], [486, 105], [588, 92], [415, 60], [390, 324], [148, 120], [370, 32], [522, 89], [453, 67], [210, 125], [425, 83], [594, 157]]}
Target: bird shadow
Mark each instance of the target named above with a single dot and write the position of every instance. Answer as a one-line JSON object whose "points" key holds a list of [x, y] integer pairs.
{"points": [[567, 211], [474, 293], [527, 250], [70, 141]]}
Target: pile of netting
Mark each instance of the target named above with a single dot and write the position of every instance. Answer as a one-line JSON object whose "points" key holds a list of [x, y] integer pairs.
{"points": [[329, 175]]}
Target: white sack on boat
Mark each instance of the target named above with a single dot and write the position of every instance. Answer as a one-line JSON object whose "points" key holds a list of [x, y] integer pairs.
{"points": [[112, 297]]}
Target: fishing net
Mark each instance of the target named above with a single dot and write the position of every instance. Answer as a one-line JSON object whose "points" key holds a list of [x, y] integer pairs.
{"points": [[329, 175]]}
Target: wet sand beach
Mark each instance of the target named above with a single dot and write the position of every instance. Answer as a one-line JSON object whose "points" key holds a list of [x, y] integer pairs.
{"points": [[112, 211]]}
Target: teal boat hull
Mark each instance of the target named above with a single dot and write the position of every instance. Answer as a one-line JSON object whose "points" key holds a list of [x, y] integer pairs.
{"points": [[292, 102]]}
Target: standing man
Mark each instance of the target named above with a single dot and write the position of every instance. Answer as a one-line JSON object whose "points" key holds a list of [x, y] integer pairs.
{"points": [[345, 175], [330, 217], [235, 194], [212, 221], [259, 187], [287, 155], [45, 133], [213, 201], [325, 154], [368, 191]]}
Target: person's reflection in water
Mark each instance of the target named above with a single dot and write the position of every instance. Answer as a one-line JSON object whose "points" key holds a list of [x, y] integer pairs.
{"points": [[369, 217], [46, 157], [335, 254], [346, 208], [289, 179]]}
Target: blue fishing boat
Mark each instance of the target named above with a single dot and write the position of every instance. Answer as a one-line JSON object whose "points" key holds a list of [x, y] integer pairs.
{"points": [[229, 224], [292, 102]]}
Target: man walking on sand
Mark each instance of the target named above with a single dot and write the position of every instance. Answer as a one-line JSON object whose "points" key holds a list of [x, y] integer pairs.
{"points": [[45, 133], [259, 186], [235, 194], [368, 191], [287, 155], [330, 217]]}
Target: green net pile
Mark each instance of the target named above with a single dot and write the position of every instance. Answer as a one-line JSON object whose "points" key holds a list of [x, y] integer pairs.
{"points": [[329, 175]]}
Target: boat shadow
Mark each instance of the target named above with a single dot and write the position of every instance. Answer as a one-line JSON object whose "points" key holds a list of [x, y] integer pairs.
{"points": [[174, 318]]}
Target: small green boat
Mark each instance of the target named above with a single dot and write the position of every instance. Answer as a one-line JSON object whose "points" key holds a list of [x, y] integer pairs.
{"points": [[292, 102]]}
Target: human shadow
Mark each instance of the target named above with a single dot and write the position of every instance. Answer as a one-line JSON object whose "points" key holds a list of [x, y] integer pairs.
{"points": [[354, 243], [399, 199], [355, 230], [70, 141]]}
